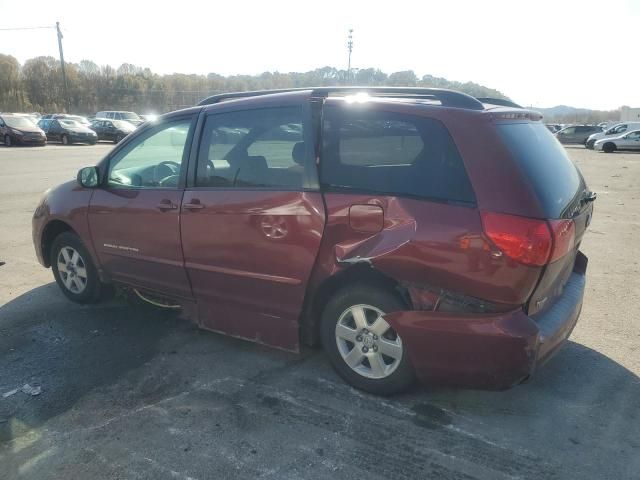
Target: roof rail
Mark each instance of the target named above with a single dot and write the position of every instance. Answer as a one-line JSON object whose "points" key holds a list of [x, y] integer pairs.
{"points": [[448, 98], [502, 102]]}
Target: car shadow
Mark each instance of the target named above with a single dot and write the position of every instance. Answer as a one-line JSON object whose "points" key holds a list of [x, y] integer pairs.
{"points": [[68, 350]]}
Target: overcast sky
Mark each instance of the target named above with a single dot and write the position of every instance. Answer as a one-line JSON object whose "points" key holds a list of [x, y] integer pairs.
{"points": [[540, 52]]}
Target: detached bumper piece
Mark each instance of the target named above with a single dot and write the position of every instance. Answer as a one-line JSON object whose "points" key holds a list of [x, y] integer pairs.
{"points": [[489, 350]]}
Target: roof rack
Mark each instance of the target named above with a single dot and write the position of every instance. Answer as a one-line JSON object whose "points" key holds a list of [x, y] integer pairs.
{"points": [[498, 101], [448, 98]]}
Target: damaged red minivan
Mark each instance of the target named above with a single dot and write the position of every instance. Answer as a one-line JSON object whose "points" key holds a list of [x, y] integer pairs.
{"points": [[413, 233]]}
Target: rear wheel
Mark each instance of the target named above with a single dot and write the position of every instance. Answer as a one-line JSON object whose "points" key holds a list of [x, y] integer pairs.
{"points": [[609, 147], [118, 138], [7, 141], [590, 144], [363, 348], [74, 270], [65, 140]]}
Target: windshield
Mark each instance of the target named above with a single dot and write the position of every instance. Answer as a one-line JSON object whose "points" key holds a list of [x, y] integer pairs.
{"points": [[69, 123], [544, 160], [123, 125], [19, 122], [130, 116]]}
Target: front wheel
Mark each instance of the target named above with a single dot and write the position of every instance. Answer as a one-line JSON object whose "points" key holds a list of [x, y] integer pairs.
{"points": [[7, 141], [65, 140], [118, 139], [74, 270], [609, 147], [362, 347]]}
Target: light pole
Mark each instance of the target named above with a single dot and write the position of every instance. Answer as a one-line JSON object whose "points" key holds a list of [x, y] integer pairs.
{"points": [[350, 46], [64, 74]]}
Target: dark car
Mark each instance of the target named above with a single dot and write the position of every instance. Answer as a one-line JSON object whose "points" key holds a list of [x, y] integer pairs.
{"points": [[58, 116], [576, 134], [20, 130], [112, 130], [411, 232], [67, 131]]}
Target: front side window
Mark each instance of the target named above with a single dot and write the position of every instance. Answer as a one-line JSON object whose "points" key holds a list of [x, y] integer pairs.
{"points": [[155, 159], [262, 148], [389, 153], [568, 131]]}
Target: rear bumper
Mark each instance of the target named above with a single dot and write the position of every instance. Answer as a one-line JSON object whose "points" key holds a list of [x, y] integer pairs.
{"points": [[493, 351]]}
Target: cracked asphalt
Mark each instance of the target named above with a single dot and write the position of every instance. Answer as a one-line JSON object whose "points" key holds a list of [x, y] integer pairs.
{"points": [[135, 393]]}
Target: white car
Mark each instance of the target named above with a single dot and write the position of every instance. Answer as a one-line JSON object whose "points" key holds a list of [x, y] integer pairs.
{"points": [[626, 141], [614, 131]]}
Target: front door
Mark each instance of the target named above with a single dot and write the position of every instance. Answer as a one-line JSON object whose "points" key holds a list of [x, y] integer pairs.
{"points": [[135, 217], [54, 131], [252, 223]]}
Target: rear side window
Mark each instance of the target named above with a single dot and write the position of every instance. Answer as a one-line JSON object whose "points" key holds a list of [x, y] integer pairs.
{"points": [[383, 152], [545, 162], [262, 148]]}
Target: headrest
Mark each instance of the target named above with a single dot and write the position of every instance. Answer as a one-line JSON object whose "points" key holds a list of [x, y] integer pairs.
{"points": [[298, 153]]}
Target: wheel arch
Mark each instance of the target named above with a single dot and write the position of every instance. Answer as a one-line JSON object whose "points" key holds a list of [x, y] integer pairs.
{"points": [[49, 234], [362, 273]]}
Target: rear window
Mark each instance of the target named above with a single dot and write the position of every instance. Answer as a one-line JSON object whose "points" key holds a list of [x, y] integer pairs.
{"points": [[374, 151], [544, 160]]}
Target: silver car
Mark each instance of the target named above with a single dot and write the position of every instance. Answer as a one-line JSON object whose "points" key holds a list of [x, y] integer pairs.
{"points": [[615, 130], [627, 141]]}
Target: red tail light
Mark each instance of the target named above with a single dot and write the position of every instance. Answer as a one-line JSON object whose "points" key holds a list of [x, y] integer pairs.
{"points": [[525, 240], [529, 240], [564, 238]]}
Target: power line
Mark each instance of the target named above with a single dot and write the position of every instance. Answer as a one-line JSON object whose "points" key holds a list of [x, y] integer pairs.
{"points": [[24, 28]]}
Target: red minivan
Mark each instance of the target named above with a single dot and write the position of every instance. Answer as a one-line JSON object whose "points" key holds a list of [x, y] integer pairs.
{"points": [[411, 232]]}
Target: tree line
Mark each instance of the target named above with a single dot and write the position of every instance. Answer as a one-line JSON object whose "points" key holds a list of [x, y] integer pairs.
{"points": [[37, 86]]}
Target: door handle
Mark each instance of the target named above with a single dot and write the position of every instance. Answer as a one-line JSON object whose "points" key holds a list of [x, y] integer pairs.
{"points": [[193, 205], [166, 205]]}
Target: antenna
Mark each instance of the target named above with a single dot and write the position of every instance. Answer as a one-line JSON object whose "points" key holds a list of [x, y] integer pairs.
{"points": [[350, 47]]}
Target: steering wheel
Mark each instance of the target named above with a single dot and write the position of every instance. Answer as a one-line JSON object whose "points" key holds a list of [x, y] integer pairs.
{"points": [[160, 178]]}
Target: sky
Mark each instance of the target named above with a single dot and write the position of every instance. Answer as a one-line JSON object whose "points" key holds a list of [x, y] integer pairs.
{"points": [[538, 52]]}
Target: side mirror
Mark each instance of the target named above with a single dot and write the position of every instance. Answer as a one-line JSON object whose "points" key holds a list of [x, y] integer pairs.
{"points": [[88, 177]]}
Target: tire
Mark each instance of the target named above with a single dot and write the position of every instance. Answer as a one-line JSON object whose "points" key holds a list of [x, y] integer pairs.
{"points": [[65, 140], [76, 276], [7, 141], [609, 147], [118, 139], [590, 144], [343, 338]]}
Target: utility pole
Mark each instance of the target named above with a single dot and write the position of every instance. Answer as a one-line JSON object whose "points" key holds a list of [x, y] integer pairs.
{"points": [[64, 74], [350, 46]]}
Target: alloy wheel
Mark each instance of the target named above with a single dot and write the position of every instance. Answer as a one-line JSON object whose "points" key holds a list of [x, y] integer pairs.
{"points": [[72, 270], [367, 343]]}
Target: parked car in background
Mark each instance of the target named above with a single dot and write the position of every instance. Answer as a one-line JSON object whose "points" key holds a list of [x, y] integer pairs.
{"points": [[33, 117], [20, 130], [613, 131], [130, 117], [400, 242], [576, 133], [112, 130], [78, 118], [67, 131], [626, 141]]}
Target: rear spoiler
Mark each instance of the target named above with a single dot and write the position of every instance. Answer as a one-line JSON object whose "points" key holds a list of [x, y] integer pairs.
{"points": [[502, 102]]}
